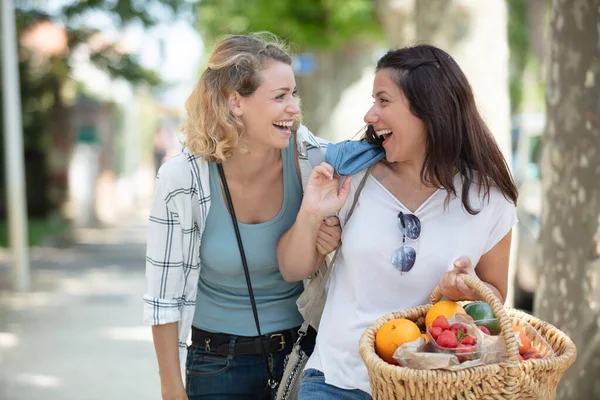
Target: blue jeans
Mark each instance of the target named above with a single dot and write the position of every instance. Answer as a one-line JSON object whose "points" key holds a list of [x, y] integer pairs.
{"points": [[313, 387], [213, 376]]}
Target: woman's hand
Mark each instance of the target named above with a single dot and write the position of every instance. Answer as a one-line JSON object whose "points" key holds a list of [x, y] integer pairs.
{"points": [[329, 236], [321, 196], [453, 287]]}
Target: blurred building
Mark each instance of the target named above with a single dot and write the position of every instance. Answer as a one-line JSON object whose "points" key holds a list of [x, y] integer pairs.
{"points": [[119, 129]]}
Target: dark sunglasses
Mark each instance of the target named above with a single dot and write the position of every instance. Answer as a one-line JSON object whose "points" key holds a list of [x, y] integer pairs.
{"points": [[403, 259]]}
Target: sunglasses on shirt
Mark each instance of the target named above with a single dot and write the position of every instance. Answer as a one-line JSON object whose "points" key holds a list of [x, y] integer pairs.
{"points": [[403, 259]]}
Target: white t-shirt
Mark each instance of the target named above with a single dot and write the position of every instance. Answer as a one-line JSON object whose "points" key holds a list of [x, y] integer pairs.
{"points": [[365, 286]]}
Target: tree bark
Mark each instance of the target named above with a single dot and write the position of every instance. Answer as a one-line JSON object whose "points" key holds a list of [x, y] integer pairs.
{"points": [[568, 294]]}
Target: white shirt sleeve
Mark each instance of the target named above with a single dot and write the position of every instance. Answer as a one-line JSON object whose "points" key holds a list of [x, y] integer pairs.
{"points": [[164, 259], [503, 217]]}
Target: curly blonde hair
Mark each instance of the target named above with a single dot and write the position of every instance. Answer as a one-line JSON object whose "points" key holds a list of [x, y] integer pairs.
{"points": [[213, 132]]}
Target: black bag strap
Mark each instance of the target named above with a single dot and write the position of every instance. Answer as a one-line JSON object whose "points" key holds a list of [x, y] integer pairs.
{"points": [[272, 383]]}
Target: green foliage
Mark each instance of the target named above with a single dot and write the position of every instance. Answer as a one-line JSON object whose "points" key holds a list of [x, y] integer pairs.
{"points": [[38, 230], [43, 78], [308, 24], [126, 11], [518, 41]]}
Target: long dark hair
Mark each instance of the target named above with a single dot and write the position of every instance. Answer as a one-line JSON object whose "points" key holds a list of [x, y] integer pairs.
{"points": [[458, 140]]}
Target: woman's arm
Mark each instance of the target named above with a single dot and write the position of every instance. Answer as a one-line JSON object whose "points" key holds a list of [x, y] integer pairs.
{"points": [[297, 250], [492, 269], [165, 281], [167, 354]]}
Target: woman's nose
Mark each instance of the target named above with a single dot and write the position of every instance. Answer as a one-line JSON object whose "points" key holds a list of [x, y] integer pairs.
{"points": [[371, 116], [293, 107]]}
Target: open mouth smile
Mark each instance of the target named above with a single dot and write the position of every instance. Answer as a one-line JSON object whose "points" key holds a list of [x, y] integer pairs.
{"points": [[284, 126]]}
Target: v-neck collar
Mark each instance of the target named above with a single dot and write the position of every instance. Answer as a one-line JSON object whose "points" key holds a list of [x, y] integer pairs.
{"points": [[419, 209]]}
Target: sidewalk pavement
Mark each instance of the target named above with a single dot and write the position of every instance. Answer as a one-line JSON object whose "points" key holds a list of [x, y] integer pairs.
{"points": [[78, 334]]}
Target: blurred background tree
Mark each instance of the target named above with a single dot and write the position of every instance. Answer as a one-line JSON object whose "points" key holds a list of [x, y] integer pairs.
{"points": [[527, 38], [49, 37], [568, 292], [339, 38], [309, 25]]}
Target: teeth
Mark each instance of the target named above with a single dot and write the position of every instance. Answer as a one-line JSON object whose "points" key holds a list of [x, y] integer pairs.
{"points": [[383, 132], [285, 124]]}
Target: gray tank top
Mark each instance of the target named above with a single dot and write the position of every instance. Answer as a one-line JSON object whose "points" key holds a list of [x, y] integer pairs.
{"points": [[223, 303]]}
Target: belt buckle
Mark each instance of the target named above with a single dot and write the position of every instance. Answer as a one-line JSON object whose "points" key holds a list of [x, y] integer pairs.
{"points": [[281, 339]]}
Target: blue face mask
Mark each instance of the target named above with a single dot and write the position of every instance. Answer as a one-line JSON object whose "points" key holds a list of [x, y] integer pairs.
{"points": [[352, 156]]}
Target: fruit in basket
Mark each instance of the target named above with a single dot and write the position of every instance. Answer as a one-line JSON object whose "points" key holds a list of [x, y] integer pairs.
{"points": [[451, 337], [447, 308], [425, 336], [524, 342], [441, 322], [484, 329], [392, 335], [435, 331], [483, 315], [465, 352], [468, 340], [447, 339], [531, 353], [459, 329]]}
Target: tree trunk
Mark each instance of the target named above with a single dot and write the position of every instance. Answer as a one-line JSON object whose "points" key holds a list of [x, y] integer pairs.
{"points": [[568, 292], [398, 20], [59, 153]]}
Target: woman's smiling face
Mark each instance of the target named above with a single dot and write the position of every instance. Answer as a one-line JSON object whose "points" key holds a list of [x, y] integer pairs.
{"points": [[404, 134], [269, 112]]}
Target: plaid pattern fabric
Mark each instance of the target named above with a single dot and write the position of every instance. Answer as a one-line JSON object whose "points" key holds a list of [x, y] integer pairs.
{"points": [[176, 224]]}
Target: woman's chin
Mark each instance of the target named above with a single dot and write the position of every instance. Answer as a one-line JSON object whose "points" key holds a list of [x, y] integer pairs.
{"points": [[389, 157]]}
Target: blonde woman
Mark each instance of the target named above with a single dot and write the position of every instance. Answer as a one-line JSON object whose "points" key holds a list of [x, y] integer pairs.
{"points": [[244, 144]]}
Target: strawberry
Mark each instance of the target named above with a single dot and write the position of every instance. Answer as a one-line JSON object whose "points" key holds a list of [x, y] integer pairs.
{"points": [[484, 329], [468, 340], [457, 327], [447, 339], [465, 352], [435, 332], [441, 322]]}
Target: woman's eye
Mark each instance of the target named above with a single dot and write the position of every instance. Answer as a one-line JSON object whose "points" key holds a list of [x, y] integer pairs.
{"points": [[295, 93], [280, 97], [382, 100]]}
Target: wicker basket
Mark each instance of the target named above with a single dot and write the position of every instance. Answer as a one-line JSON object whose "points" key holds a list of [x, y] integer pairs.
{"points": [[531, 379]]}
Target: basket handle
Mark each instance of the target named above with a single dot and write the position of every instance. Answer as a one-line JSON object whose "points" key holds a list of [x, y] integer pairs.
{"points": [[512, 346]]}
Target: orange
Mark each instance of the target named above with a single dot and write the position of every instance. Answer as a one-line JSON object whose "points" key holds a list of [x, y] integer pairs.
{"points": [[447, 308], [392, 335]]}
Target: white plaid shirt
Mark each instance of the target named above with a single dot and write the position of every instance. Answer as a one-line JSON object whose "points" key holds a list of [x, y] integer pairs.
{"points": [[176, 224]]}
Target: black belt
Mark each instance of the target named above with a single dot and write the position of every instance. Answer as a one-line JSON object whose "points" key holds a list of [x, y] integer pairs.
{"points": [[244, 345]]}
